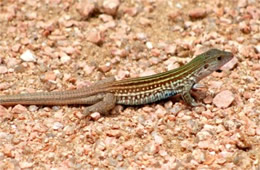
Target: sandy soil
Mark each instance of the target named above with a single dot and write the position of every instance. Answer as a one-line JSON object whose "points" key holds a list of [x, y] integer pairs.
{"points": [[48, 45]]}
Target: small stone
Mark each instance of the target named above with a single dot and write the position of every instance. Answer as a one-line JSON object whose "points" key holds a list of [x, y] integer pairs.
{"points": [[28, 56], [8, 150], [147, 73], [4, 86], [215, 84], [49, 76], [251, 131], [114, 133], [208, 114], [19, 109], [246, 29], [198, 13], [3, 69], [57, 125], [69, 50], [242, 3], [208, 99], [25, 165], [88, 69], [78, 114], [119, 52], [256, 66], [154, 148], [131, 11], [155, 52], [86, 8], [198, 155], [33, 108], [223, 99], [230, 65], [105, 18], [158, 139], [170, 49], [16, 47], [173, 15], [65, 58], [141, 36], [247, 95], [95, 115], [163, 153], [258, 131], [110, 6], [257, 47], [3, 111], [160, 112], [149, 45], [105, 68], [145, 21], [95, 37]]}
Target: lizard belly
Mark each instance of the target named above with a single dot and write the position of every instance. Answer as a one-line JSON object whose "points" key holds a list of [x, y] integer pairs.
{"points": [[146, 98]]}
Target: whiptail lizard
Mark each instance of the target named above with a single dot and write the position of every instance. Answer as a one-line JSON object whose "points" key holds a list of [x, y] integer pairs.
{"points": [[105, 94]]}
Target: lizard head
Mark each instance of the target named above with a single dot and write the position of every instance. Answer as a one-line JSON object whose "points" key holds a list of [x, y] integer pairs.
{"points": [[212, 60]]}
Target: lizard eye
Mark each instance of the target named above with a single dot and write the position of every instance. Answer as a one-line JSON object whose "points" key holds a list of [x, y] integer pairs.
{"points": [[206, 66], [219, 58]]}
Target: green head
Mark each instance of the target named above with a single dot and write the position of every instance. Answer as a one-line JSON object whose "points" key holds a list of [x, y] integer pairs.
{"points": [[211, 61]]}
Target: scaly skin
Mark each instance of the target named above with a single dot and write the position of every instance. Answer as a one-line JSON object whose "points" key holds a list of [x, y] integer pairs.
{"points": [[104, 95]]}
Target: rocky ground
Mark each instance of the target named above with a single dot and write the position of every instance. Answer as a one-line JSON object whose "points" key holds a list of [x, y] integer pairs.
{"points": [[48, 45]]}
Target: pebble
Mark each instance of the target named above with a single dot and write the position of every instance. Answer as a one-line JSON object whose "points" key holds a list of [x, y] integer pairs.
{"points": [[208, 114], [230, 65], [3, 111], [119, 52], [198, 13], [49, 76], [149, 45], [69, 50], [95, 37], [110, 6], [95, 115], [105, 67], [65, 58], [19, 109], [256, 66], [16, 47], [114, 133], [57, 125], [88, 69], [157, 138], [257, 47], [258, 131], [170, 49], [86, 8], [28, 56], [3, 69], [216, 84], [244, 28], [147, 73], [4, 86], [223, 99]]}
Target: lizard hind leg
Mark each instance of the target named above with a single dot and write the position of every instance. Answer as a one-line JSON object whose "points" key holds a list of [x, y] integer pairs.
{"points": [[103, 106]]}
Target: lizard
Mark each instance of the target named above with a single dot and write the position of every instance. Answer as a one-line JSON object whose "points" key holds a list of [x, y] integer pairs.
{"points": [[104, 95]]}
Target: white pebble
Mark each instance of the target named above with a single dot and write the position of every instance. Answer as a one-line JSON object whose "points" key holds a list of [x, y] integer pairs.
{"points": [[57, 125], [28, 56], [257, 48], [149, 45], [65, 58]]}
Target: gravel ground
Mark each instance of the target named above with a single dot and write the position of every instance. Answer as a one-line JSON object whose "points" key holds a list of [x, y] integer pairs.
{"points": [[48, 45]]}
